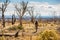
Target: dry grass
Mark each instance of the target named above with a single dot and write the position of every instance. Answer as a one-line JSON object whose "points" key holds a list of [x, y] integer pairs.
{"points": [[30, 28]]}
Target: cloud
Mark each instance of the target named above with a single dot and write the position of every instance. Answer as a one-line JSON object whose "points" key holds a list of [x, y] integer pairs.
{"points": [[44, 9]]}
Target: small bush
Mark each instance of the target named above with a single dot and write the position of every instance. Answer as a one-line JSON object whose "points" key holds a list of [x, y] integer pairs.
{"points": [[12, 28], [19, 27], [48, 35], [16, 27]]}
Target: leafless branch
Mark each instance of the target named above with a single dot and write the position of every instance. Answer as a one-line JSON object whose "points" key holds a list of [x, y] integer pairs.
{"points": [[23, 9], [31, 11]]}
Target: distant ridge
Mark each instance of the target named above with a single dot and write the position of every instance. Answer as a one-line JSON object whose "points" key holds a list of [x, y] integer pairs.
{"points": [[10, 16]]}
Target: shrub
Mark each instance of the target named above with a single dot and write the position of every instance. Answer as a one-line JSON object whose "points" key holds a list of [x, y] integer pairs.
{"points": [[48, 35], [19, 27], [12, 28], [16, 27]]}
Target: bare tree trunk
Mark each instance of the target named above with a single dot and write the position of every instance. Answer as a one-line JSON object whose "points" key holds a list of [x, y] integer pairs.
{"points": [[32, 20], [3, 19], [3, 8], [12, 20], [20, 20]]}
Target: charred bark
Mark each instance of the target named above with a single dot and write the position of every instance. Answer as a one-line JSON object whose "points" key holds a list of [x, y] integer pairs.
{"points": [[32, 20], [13, 19], [3, 18], [20, 20]]}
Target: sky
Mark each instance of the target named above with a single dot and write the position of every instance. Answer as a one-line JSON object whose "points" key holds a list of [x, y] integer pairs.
{"points": [[49, 1], [41, 7]]}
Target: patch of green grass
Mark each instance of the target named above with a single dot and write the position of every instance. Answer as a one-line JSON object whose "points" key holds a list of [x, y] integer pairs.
{"points": [[12, 28], [16, 28], [19, 27]]}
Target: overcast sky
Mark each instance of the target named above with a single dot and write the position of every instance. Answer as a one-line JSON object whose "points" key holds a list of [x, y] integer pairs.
{"points": [[43, 7]]}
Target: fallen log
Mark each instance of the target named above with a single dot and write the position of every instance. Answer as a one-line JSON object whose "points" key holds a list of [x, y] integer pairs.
{"points": [[7, 34], [18, 34], [10, 34]]}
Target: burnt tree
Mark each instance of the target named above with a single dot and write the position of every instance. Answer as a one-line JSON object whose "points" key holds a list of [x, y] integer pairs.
{"points": [[3, 9], [31, 14], [13, 19], [21, 11]]}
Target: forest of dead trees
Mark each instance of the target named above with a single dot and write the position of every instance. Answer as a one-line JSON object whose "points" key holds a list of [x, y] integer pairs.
{"points": [[20, 10]]}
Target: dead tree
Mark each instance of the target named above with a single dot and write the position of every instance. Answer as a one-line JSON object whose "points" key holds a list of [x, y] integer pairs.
{"points": [[54, 16], [36, 25], [3, 9], [13, 19], [21, 11], [40, 17], [31, 14]]}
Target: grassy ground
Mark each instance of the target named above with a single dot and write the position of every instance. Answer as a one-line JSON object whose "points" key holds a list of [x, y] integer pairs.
{"points": [[30, 29]]}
